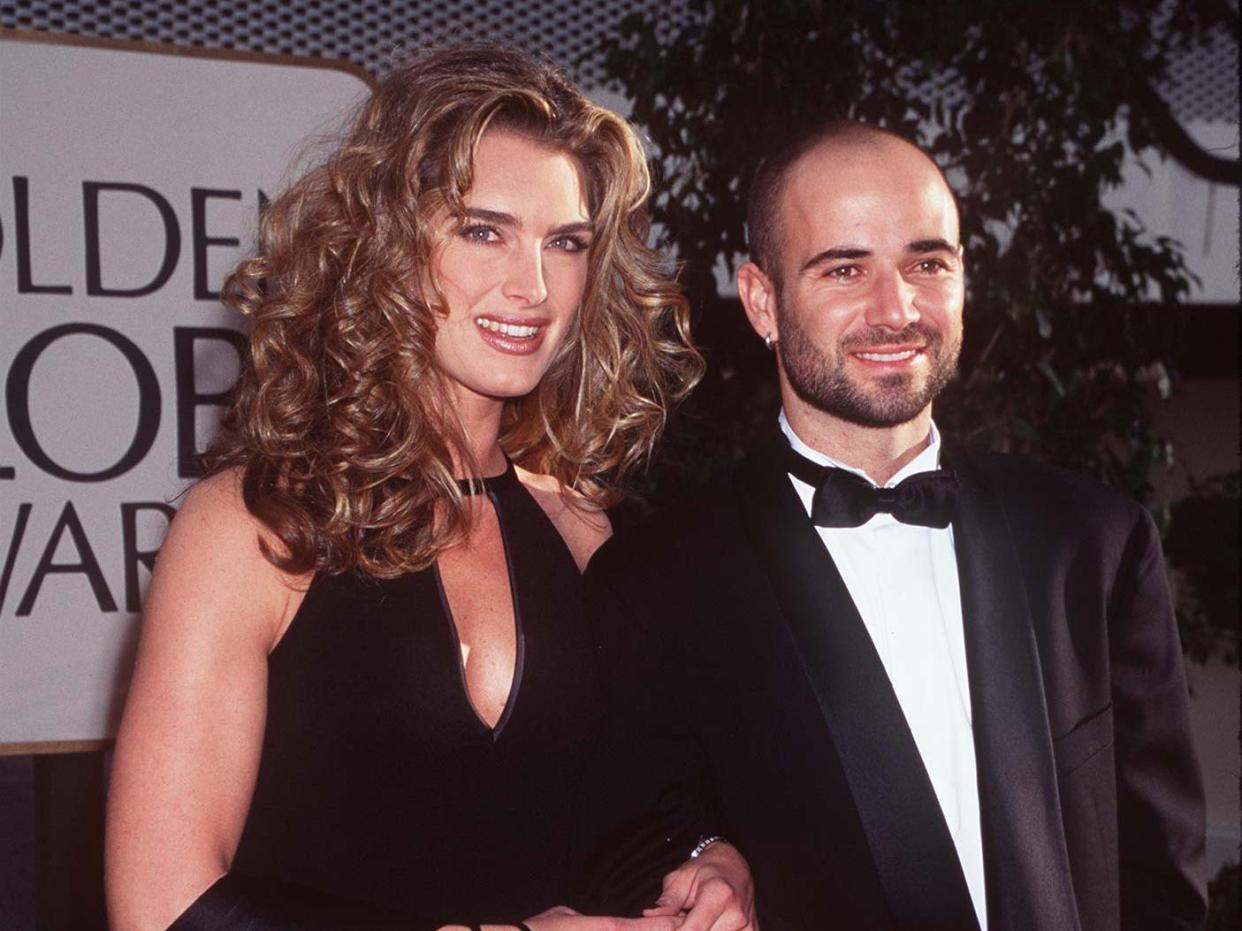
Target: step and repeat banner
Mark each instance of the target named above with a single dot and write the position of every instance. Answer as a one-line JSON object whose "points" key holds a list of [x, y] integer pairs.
{"points": [[131, 180]]}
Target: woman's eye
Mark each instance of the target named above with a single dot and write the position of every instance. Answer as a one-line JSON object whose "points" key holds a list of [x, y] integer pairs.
{"points": [[480, 233], [568, 243]]}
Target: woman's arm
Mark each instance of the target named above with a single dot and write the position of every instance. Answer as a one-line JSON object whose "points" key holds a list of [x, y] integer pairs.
{"points": [[189, 743]]}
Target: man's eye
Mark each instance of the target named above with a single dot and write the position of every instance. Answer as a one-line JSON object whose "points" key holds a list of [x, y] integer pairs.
{"points": [[843, 272], [932, 266], [479, 233], [570, 243]]}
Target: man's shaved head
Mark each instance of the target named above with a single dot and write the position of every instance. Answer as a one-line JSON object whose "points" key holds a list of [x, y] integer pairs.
{"points": [[763, 205]]}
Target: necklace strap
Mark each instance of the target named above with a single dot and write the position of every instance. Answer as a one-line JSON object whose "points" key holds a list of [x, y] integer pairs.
{"points": [[489, 484]]}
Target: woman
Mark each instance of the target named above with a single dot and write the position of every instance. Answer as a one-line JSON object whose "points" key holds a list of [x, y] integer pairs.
{"points": [[361, 669]]}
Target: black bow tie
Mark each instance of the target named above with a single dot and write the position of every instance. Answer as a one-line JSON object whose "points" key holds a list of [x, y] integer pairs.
{"points": [[843, 499]]}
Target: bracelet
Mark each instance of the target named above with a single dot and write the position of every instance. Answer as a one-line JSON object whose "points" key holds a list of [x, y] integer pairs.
{"points": [[703, 845]]}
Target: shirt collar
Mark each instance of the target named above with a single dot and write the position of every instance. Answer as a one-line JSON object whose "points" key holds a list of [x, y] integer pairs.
{"points": [[926, 461]]}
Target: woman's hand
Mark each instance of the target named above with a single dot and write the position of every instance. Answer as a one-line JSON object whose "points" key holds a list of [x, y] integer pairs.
{"points": [[712, 892], [562, 918]]}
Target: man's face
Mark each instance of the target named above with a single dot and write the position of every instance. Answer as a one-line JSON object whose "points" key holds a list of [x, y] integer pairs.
{"points": [[867, 301]]}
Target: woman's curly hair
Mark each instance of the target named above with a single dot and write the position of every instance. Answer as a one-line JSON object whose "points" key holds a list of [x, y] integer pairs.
{"points": [[341, 426]]}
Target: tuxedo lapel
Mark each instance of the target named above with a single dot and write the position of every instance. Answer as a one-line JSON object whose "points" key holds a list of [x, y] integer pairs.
{"points": [[909, 840], [1025, 855]]}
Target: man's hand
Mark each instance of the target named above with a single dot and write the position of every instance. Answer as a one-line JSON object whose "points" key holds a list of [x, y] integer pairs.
{"points": [[712, 892]]}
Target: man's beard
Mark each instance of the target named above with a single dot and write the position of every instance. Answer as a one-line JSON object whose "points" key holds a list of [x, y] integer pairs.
{"points": [[889, 400]]}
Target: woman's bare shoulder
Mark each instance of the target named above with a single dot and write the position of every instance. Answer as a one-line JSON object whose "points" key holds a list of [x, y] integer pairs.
{"points": [[215, 523], [218, 496], [582, 525], [215, 550]]}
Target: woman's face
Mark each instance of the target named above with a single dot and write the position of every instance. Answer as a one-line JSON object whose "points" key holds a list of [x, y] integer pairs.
{"points": [[513, 274]]}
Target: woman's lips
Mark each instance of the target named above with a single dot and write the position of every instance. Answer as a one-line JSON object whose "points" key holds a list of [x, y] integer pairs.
{"points": [[512, 337]]}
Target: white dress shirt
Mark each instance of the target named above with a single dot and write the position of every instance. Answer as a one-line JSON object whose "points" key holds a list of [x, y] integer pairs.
{"points": [[903, 579]]}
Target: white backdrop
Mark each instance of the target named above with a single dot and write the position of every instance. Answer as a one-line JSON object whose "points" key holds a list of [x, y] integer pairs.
{"points": [[130, 182]]}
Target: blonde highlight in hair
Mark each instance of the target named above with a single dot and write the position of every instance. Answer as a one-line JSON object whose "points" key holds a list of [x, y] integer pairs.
{"points": [[341, 426]]}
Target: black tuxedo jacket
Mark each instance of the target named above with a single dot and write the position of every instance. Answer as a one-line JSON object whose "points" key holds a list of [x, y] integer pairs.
{"points": [[747, 700]]}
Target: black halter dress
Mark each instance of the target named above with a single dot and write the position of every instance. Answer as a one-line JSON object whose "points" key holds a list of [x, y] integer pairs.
{"points": [[378, 781]]}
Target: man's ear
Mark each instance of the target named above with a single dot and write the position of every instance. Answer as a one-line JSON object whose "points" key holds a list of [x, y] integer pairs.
{"points": [[758, 294]]}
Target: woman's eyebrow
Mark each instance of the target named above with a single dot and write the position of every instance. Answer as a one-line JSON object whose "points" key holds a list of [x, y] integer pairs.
{"points": [[500, 218], [493, 216], [570, 229]]}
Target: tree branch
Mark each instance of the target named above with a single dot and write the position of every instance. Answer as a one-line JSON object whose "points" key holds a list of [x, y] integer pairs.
{"points": [[1173, 138]]}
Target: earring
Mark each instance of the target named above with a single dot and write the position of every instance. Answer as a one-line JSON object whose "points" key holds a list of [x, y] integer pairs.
{"points": [[768, 342]]}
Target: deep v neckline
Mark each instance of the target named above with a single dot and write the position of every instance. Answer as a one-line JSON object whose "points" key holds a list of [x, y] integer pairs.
{"points": [[496, 488]]}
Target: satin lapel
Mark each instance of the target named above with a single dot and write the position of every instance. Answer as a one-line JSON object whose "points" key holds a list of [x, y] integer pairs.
{"points": [[913, 851], [1026, 860]]}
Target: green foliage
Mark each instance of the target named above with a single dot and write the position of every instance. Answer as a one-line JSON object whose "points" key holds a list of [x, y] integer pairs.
{"points": [[1031, 108]]}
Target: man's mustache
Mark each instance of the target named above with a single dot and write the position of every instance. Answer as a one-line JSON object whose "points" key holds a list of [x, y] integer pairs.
{"points": [[919, 333]]}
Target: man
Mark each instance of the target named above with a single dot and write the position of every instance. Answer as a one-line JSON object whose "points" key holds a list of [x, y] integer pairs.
{"points": [[958, 704]]}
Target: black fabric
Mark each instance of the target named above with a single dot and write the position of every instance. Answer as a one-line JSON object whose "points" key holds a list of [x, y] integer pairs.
{"points": [[237, 902], [909, 841], [378, 782], [1026, 859], [711, 728], [726, 714], [843, 499]]}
